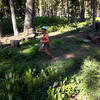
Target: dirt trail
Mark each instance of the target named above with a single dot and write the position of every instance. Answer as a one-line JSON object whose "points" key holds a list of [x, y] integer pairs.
{"points": [[6, 39], [60, 53]]}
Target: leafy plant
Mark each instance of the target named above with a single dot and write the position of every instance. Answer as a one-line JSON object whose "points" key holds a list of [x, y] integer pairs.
{"points": [[60, 90]]}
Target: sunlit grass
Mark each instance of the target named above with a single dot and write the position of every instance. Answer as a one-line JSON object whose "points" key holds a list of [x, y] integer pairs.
{"points": [[28, 50], [98, 18], [87, 47], [87, 76], [81, 24]]}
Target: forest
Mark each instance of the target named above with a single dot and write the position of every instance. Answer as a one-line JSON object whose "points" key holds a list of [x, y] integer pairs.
{"points": [[49, 49]]}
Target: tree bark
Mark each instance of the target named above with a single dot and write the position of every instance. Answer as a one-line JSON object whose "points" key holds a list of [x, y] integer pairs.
{"points": [[40, 7], [51, 7], [94, 15], [82, 13], [62, 7], [48, 7], [68, 9], [14, 43], [0, 31], [29, 16], [15, 29]]}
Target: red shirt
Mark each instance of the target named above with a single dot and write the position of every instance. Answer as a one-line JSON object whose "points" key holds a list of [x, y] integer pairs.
{"points": [[46, 39]]}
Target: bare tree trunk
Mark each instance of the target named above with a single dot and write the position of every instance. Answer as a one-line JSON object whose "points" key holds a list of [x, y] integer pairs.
{"points": [[29, 15], [68, 9], [15, 29], [48, 7], [40, 7], [51, 7], [94, 14], [0, 31], [82, 13], [62, 7]]}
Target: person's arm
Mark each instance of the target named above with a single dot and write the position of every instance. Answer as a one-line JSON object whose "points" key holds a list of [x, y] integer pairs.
{"points": [[38, 32], [44, 41], [35, 32]]}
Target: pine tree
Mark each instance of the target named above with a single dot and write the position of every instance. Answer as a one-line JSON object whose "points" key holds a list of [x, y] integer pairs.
{"points": [[29, 15], [13, 17]]}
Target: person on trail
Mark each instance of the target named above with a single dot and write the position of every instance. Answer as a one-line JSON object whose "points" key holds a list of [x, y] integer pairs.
{"points": [[45, 42]]}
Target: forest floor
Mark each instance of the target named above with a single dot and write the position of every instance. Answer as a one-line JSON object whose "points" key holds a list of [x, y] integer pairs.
{"points": [[68, 50], [64, 38]]}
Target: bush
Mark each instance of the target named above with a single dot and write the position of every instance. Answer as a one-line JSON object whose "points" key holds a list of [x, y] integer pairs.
{"points": [[49, 21], [61, 90], [52, 22], [95, 54], [8, 53], [20, 24], [87, 78], [7, 26], [17, 88]]}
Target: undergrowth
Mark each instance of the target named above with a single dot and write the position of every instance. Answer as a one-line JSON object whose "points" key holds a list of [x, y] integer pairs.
{"points": [[23, 76]]}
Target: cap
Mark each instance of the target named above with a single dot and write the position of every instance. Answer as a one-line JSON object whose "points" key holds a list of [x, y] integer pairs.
{"points": [[44, 28]]}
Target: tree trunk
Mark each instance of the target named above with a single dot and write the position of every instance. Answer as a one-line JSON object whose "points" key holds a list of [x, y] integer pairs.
{"points": [[82, 13], [28, 23], [62, 7], [14, 43], [40, 7], [48, 7], [68, 9], [51, 7], [15, 29], [94, 14], [0, 31]]}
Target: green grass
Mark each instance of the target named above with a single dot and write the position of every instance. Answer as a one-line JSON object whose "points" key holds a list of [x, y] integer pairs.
{"points": [[25, 74], [98, 18], [89, 78], [80, 74], [52, 22], [56, 42]]}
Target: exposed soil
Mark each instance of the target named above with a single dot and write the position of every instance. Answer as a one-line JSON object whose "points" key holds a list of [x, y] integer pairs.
{"points": [[6, 39]]}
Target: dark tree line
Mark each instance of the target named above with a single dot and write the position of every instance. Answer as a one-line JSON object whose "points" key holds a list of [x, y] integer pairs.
{"points": [[27, 9]]}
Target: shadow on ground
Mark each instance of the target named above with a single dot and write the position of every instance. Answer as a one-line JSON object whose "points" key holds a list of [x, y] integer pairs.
{"points": [[70, 52]]}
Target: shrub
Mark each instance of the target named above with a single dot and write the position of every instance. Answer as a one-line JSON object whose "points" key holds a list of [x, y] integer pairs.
{"points": [[8, 52], [52, 22], [20, 24], [60, 90], [7, 26], [95, 53], [85, 78]]}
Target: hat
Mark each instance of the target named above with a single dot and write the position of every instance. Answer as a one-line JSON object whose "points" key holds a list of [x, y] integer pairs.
{"points": [[44, 28]]}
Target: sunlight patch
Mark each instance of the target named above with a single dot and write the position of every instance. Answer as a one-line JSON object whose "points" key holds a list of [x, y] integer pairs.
{"points": [[71, 36], [69, 55], [27, 51]]}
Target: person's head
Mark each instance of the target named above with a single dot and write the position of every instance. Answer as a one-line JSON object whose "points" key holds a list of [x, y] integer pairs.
{"points": [[44, 29]]}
